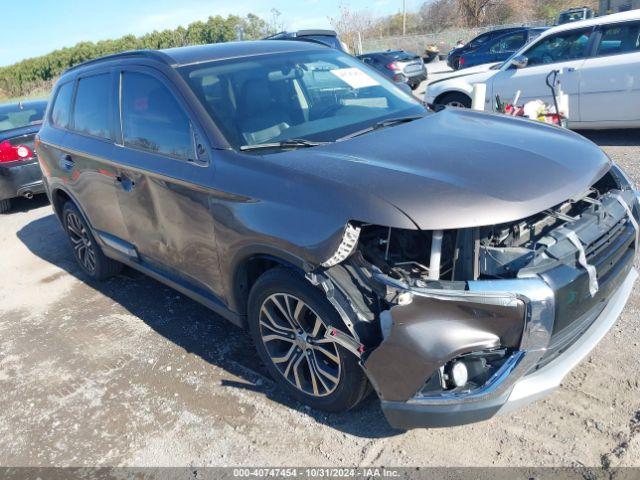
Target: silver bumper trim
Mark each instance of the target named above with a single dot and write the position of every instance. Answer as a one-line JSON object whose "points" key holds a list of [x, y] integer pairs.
{"points": [[548, 378]]}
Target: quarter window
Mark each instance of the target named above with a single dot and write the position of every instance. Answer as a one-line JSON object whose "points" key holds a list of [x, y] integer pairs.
{"points": [[152, 118], [620, 39], [559, 48], [62, 106], [92, 108]]}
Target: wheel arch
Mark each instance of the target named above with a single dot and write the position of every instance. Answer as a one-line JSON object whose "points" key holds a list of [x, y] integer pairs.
{"points": [[460, 91], [250, 264], [60, 196]]}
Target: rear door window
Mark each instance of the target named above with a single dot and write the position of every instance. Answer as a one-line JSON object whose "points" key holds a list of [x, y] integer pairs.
{"points": [[152, 118], [618, 39], [92, 107], [61, 112]]}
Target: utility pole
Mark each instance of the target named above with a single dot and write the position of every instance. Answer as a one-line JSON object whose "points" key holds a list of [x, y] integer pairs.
{"points": [[404, 17]]}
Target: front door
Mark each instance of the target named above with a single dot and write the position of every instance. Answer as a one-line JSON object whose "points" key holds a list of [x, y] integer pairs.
{"points": [[565, 52], [610, 81], [162, 183]]}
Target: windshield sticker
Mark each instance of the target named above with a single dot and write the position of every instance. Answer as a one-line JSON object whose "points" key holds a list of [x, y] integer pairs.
{"points": [[355, 77]]}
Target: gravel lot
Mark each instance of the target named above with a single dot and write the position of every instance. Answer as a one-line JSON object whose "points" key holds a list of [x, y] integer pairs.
{"points": [[129, 372]]}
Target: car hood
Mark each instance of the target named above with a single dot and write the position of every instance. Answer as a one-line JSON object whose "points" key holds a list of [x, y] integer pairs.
{"points": [[477, 73], [459, 168]]}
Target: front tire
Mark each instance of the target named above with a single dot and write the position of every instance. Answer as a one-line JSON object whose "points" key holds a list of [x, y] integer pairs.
{"points": [[456, 100], [86, 251], [288, 318]]}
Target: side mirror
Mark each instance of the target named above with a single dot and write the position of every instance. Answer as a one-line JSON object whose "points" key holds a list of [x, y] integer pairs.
{"points": [[520, 61], [404, 87]]}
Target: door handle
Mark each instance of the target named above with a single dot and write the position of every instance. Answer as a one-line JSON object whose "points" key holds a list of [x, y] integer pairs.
{"points": [[67, 162], [125, 182], [570, 69]]}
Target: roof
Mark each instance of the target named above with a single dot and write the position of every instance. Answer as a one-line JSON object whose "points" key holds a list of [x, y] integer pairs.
{"points": [[302, 33], [219, 51], [591, 22], [388, 52], [575, 9], [176, 57]]}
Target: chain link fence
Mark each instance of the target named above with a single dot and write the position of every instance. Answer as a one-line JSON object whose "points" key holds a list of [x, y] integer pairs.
{"points": [[444, 40]]}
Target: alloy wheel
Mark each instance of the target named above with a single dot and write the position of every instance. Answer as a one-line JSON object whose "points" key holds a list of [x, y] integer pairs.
{"points": [[295, 339], [81, 241]]}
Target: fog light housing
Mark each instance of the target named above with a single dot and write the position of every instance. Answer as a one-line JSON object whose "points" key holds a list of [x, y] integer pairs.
{"points": [[459, 374], [465, 373]]}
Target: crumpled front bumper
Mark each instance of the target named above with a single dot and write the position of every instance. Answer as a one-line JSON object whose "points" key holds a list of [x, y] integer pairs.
{"points": [[539, 325], [518, 382]]}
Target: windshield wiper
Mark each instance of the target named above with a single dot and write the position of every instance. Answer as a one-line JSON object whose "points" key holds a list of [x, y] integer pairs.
{"points": [[291, 143], [381, 124]]}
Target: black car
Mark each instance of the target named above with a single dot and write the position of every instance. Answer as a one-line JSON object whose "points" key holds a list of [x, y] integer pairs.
{"points": [[498, 49], [325, 37], [454, 55], [20, 174], [398, 65], [457, 263]]}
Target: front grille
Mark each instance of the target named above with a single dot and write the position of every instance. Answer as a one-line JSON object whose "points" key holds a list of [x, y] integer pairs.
{"points": [[562, 340], [604, 242]]}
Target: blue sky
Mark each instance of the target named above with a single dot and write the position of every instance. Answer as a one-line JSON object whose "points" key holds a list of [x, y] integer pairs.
{"points": [[35, 27]]}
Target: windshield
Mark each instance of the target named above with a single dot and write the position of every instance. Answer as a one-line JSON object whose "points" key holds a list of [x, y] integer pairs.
{"points": [[319, 96], [20, 115]]}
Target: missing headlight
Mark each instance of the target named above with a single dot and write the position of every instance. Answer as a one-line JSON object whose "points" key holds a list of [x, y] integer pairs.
{"points": [[409, 255]]}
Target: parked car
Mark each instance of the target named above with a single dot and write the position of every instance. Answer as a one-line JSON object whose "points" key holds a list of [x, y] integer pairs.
{"points": [[499, 49], [453, 58], [398, 65], [598, 63], [325, 37], [362, 239], [20, 174], [575, 15]]}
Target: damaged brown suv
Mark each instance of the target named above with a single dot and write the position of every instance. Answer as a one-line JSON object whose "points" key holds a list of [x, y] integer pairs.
{"points": [[460, 264]]}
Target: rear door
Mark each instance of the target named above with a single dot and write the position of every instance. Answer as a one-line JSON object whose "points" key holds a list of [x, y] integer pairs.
{"points": [[87, 159], [610, 80], [162, 181], [565, 51]]}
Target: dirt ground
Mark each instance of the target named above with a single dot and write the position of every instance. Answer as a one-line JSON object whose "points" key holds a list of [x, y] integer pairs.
{"points": [[129, 372]]}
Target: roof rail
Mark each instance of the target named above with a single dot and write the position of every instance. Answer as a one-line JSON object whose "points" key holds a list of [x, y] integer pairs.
{"points": [[153, 54]]}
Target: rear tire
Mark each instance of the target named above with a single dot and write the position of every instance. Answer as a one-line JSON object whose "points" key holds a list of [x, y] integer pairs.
{"points": [[86, 251], [287, 320], [455, 99], [5, 205]]}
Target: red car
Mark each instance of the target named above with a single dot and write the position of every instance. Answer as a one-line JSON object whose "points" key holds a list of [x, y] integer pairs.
{"points": [[20, 174]]}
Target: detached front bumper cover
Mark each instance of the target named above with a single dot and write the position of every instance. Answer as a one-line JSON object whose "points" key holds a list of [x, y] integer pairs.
{"points": [[520, 379]]}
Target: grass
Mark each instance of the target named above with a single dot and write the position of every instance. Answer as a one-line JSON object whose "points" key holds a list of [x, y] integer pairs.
{"points": [[40, 93]]}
